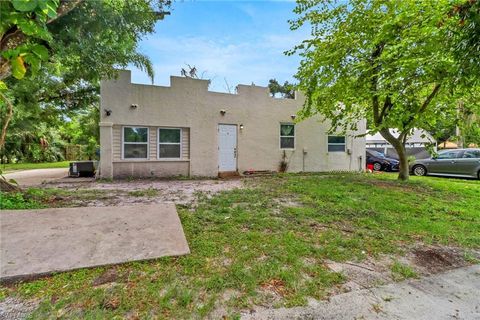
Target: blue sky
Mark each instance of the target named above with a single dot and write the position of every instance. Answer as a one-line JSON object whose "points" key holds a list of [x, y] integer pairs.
{"points": [[240, 41]]}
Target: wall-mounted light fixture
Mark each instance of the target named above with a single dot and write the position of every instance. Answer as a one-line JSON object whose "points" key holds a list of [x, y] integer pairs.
{"points": [[293, 116], [108, 112], [134, 106], [241, 126], [223, 111]]}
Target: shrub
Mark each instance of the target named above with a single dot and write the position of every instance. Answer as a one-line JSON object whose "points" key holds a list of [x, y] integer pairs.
{"points": [[17, 200]]}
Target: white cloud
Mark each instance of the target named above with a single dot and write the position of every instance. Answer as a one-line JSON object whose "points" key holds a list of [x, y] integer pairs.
{"points": [[252, 60]]}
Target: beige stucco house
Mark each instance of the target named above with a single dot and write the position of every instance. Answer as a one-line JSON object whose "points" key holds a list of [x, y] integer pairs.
{"points": [[185, 129]]}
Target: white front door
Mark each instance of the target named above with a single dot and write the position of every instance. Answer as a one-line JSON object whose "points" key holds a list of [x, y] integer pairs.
{"points": [[227, 147]]}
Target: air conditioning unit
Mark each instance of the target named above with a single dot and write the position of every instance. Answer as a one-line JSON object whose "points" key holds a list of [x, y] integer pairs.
{"points": [[82, 169]]}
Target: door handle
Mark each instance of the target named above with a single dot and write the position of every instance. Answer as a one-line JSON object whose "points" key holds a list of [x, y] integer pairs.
{"points": [[235, 153]]}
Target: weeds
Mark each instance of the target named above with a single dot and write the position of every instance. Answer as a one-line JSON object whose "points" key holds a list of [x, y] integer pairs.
{"points": [[150, 192], [267, 245], [402, 271]]}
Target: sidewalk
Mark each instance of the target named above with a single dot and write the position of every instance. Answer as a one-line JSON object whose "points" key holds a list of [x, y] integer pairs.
{"points": [[450, 295]]}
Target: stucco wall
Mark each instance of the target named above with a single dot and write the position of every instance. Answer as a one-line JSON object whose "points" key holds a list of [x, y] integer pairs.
{"points": [[148, 169], [188, 104]]}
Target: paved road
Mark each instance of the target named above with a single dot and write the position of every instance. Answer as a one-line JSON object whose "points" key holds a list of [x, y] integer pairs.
{"points": [[28, 178], [451, 295]]}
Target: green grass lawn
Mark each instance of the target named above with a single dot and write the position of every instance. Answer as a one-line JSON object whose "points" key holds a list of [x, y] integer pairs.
{"points": [[267, 244], [28, 166]]}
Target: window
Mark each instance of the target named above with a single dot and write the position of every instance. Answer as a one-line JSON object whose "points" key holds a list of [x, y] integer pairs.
{"points": [[135, 143], [471, 154], [448, 154], [336, 143], [169, 143], [287, 136]]}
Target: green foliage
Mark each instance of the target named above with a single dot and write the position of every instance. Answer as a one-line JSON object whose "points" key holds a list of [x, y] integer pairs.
{"points": [[465, 30], [150, 193], [286, 91], [62, 92], [31, 140], [31, 18], [397, 44], [28, 166], [391, 62], [17, 200]]}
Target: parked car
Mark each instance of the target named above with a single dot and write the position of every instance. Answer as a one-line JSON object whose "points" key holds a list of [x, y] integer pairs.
{"points": [[381, 162], [459, 163]]}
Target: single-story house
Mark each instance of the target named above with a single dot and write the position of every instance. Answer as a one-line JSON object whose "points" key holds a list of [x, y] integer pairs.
{"points": [[416, 145], [185, 129]]}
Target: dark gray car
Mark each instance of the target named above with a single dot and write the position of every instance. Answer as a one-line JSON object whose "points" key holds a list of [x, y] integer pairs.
{"points": [[458, 163]]}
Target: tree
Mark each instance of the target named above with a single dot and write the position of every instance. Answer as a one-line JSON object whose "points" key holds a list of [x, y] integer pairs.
{"points": [[54, 52], [387, 61], [466, 34], [74, 41], [286, 91]]}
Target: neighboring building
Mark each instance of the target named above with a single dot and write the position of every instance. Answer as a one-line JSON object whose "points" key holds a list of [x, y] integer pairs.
{"points": [[416, 144], [184, 129], [449, 145]]}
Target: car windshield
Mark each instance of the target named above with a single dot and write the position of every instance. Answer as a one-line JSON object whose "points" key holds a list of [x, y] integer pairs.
{"points": [[376, 154]]}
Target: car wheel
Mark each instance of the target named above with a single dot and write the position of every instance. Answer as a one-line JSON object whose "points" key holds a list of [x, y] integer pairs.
{"points": [[377, 166], [419, 170]]}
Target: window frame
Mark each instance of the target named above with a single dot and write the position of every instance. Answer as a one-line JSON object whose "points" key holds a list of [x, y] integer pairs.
{"points": [[140, 143], [294, 135], [169, 143], [344, 144]]}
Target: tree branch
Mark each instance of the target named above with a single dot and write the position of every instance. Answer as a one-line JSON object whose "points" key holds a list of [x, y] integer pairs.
{"points": [[429, 98], [7, 119], [374, 81], [65, 7], [386, 107], [423, 107]]}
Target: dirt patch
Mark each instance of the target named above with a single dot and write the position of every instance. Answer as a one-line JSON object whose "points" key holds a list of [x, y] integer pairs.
{"points": [[221, 309], [393, 185], [109, 276], [275, 285], [437, 259], [121, 193], [423, 260]]}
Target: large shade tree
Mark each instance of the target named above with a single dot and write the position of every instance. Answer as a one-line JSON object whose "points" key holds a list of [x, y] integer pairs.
{"points": [[391, 62], [54, 52], [68, 45]]}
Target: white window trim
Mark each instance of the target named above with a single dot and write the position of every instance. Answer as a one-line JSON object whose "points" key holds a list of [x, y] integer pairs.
{"points": [[173, 143], [337, 144], [294, 136], [123, 143]]}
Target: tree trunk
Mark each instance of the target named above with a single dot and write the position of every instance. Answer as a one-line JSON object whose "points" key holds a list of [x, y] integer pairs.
{"points": [[6, 186], [399, 146], [6, 120], [404, 172]]}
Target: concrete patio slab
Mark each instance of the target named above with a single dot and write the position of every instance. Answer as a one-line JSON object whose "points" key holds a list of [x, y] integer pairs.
{"points": [[40, 242]]}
